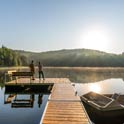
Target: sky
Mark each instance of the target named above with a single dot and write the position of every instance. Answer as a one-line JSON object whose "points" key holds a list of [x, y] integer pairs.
{"points": [[44, 25]]}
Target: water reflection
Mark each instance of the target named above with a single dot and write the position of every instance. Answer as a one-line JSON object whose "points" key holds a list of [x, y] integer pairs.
{"points": [[24, 107], [40, 99], [109, 86], [79, 75], [22, 101], [31, 104], [84, 75], [95, 88], [106, 87]]}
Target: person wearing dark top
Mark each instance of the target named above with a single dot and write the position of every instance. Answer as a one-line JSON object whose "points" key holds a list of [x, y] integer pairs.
{"points": [[40, 70], [32, 69]]}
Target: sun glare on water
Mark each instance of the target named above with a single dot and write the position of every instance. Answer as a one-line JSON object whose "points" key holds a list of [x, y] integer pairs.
{"points": [[95, 88]]}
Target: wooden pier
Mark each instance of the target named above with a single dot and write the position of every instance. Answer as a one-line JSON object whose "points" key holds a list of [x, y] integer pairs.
{"points": [[64, 105], [25, 85], [37, 81]]}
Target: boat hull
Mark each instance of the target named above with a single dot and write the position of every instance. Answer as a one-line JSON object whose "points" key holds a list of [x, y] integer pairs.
{"points": [[104, 117]]}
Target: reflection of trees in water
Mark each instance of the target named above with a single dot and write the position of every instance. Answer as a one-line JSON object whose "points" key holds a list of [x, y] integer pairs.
{"points": [[78, 74], [2, 79], [96, 76], [84, 75]]}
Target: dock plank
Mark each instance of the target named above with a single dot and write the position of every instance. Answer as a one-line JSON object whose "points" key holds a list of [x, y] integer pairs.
{"points": [[64, 92], [63, 122], [64, 107], [65, 112], [37, 81]]}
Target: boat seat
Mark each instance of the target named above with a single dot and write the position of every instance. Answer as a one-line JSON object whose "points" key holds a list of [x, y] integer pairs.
{"points": [[115, 96]]}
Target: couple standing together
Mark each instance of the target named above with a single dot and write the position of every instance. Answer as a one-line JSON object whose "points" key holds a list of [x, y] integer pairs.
{"points": [[40, 70]]}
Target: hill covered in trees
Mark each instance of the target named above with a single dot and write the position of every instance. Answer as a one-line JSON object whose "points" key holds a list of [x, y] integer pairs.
{"points": [[75, 57], [72, 58], [9, 57]]}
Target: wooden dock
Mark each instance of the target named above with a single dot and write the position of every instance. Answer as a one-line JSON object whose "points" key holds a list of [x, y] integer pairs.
{"points": [[37, 81], [25, 85], [64, 105]]}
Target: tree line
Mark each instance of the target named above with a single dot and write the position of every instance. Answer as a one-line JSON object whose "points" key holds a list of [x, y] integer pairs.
{"points": [[9, 57], [79, 58], [70, 58]]}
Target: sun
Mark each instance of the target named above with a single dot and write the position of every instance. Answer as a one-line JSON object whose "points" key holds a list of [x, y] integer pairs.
{"points": [[95, 38]]}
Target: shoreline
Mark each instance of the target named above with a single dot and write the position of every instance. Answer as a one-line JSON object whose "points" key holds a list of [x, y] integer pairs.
{"points": [[86, 69]]}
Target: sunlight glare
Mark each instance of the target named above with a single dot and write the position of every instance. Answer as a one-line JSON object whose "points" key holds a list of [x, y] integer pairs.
{"points": [[95, 38], [95, 88]]}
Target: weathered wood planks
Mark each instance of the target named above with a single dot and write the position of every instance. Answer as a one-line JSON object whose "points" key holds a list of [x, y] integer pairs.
{"points": [[37, 81], [64, 107]]}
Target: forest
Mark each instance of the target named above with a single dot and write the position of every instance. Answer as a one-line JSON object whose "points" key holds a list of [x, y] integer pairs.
{"points": [[65, 57], [9, 57]]}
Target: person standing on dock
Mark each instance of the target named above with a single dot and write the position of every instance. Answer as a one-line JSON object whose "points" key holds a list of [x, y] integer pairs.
{"points": [[32, 69], [40, 70]]}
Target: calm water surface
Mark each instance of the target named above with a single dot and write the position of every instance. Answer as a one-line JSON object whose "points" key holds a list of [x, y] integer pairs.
{"points": [[105, 81]]}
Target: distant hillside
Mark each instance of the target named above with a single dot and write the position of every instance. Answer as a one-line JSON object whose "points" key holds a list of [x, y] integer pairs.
{"points": [[9, 57], [75, 57]]}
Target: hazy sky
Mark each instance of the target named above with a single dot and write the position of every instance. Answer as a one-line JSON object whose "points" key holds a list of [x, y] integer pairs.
{"points": [[43, 25]]}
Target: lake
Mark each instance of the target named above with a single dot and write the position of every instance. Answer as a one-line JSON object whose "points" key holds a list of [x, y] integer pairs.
{"points": [[101, 80]]}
